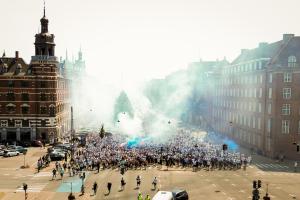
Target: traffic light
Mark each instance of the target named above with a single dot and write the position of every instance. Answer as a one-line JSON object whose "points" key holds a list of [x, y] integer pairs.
{"points": [[298, 147], [259, 184], [254, 184]]}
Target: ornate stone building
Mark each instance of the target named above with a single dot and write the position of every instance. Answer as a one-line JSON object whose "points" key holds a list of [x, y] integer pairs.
{"points": [[34, 98]]}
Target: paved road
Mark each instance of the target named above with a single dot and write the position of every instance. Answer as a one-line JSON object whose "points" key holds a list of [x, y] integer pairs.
{"points": [[213, 185]]}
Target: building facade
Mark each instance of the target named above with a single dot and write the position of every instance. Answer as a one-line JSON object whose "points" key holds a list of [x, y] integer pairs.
{"points": [[34, 98], [257, 98]]}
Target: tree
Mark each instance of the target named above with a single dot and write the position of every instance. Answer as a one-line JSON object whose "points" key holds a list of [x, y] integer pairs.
{"points": [[102, 132]]}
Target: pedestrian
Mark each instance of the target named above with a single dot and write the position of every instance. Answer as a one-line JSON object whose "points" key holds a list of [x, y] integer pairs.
{"points": [[109, 185], [147, 197], [61, 173], [53, 173], [295, 166], [138, 181], [95, 187], [154, 183], [123, 183], [140, 197]]}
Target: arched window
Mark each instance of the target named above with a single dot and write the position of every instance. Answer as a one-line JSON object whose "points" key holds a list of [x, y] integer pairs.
{"points": [[52, 110], [292, 61]]}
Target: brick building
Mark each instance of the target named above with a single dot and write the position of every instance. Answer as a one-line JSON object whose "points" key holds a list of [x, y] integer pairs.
{"points": [[34, 98], [257, 98]]}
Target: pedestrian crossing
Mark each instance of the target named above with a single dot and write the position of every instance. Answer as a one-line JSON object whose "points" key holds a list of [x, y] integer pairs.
{"points": [[34, 187], [43, 174], [270, 166]]}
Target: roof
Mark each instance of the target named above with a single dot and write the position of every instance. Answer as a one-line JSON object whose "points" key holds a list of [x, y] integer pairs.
{"points": [[15, 66], [276, 51]]}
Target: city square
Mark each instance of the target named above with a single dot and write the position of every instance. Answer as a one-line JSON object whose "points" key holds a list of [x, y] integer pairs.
{"points": [[149, 100]]}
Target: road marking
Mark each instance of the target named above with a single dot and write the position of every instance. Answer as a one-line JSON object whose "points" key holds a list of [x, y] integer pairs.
{"points": [[42, 174], [33, 188]]}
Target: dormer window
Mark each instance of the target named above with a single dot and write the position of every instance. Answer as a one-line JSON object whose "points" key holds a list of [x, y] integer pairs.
{"points": [[292, 61], [19, 68]]}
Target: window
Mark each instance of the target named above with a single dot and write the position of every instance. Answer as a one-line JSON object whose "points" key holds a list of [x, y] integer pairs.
{"points": [[253, 122], [287, 93], [270, 93], [269, 108], [10, 96], [4, 123], [269, 126], [260, 78], [24, 84], [25, 109], [287, 77], [18, 123], [286, 109], [292, 61], [43, 97], [52, 110], [43, 84], [258, 124], [270, 78], [285, 126], [43, 110], [43, 123], [11, 123], [25, 97], [259, 107], [10, 108], [11, 83], [260, 92], [25, 123]]}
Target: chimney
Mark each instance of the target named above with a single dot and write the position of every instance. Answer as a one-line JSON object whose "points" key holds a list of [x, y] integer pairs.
{"points": [[17, 54], [286, 37]]}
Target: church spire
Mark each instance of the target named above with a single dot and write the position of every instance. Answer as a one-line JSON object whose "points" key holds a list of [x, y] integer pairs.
{"points": [[44, 8]]}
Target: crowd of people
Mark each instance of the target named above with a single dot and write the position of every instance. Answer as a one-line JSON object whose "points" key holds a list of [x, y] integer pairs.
{"points": [[181, 150]]}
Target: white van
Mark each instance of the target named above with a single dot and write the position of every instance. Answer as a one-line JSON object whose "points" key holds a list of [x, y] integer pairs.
{"points": [[163, 195]]}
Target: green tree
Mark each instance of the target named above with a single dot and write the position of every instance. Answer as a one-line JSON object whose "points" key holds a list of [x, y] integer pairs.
{"points": [[102, 131]]}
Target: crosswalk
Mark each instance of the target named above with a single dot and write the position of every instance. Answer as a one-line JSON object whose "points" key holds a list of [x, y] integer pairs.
{"points": [[35, 187], [43, 174], [270, 166]]}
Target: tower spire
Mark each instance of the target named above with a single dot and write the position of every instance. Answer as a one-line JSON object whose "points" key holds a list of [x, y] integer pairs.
{"points": [[44, 8]]}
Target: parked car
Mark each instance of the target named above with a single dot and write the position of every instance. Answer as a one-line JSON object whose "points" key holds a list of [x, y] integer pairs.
{"points": [[10, 153], [2, 152], [21, 149], [163, 195], [179, 194], [37, 143]]}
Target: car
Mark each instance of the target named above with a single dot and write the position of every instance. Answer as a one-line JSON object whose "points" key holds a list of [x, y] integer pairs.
{"points": [[1, 152], [10, 153], [21, 149], [163, 195], [56, 155], [36, 143], [179, 194]]}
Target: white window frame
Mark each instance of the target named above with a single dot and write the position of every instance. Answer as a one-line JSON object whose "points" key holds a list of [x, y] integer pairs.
{"points": [[286, 93], [287, 77], [286, 109], [285, 126], [270, 93]]}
